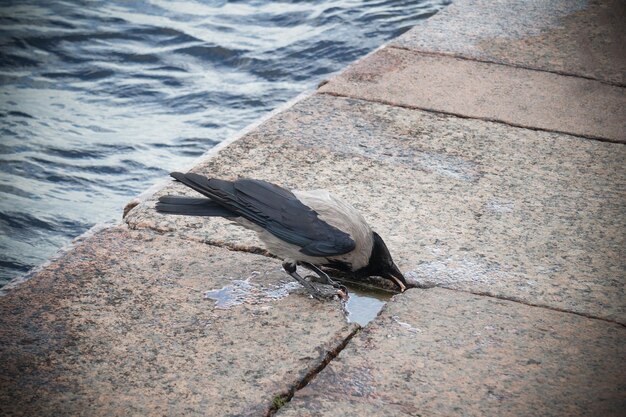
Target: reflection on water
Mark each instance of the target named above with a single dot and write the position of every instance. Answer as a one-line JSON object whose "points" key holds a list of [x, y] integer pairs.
{"points": [[365, 304]]}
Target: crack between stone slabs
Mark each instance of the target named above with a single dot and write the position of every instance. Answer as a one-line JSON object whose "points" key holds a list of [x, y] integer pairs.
{"points": [[285, 398], [485, 119], [177, 235], [379, 284], [506, 64], [527, 303], [259, 251]]}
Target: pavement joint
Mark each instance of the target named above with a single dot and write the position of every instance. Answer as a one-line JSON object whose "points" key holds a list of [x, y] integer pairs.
{"points": [[503, 64], [259, 251], [285, 398], [247, 249], [520, 301], [464, 116]]}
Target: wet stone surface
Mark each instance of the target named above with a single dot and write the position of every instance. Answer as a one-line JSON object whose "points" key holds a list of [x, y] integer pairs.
{"points": [[439, 352], [121, 326], [585, 38], [480, 90], [466, 204]]}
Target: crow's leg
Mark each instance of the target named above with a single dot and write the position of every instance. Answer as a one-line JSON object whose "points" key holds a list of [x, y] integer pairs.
{"points": [[291, 269], [325, 276]]}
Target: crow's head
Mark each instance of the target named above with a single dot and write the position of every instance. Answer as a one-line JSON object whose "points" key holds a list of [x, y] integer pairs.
{"points": [[381, 264]]}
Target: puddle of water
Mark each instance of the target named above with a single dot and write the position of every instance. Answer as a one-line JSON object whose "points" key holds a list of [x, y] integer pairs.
{"points": [[364, 304], [362, 307], [243, 291]]}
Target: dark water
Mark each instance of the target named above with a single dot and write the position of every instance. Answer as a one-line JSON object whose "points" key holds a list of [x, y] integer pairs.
{"points": [[99, 99]]}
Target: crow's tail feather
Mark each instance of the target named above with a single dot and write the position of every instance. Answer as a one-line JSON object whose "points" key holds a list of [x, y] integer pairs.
{"points": [[191, 206]]}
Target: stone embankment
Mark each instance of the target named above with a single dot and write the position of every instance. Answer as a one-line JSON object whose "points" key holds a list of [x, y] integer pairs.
{"points": [[486, 145]]}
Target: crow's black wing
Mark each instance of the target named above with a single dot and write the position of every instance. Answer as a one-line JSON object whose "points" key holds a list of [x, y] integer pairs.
{"points": [[190, 206], [275, 209]]}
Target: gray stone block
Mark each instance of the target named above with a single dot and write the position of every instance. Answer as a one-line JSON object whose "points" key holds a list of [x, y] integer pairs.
{"points": [[447, 353], [120, 326], [516, 96], [578, 37]]}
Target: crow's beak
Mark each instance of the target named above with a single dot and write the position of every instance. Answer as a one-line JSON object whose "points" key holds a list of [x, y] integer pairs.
{"points": [[396, 276]]}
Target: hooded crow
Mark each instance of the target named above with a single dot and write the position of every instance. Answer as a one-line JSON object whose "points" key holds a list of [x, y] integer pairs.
{"points": [[307, 228]]}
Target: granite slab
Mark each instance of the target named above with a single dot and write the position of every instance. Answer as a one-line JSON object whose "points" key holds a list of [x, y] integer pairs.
{"points": [[120, 326], [578, 37], [446, 353], [467, 204], [516, 96]]}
